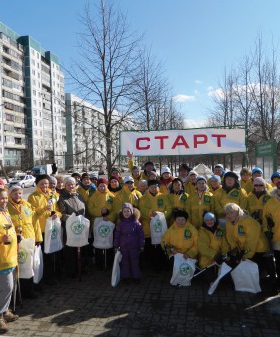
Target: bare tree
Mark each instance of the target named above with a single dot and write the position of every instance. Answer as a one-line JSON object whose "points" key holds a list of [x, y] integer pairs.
{"points": [[104, 74], [250, 95], [265, 93], [149, 90]]}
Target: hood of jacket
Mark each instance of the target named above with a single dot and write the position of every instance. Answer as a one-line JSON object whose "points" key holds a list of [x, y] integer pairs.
{"points": [[274, 194]]}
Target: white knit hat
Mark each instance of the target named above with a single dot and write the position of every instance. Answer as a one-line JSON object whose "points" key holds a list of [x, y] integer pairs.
{"points": [[165, 169], [13, 188], [127, 179], [69, 180]]}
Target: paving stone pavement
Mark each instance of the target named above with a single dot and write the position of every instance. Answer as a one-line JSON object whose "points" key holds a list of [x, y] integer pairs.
{"points": [[152, 308]]}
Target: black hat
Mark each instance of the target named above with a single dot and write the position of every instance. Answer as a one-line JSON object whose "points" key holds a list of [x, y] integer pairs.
{"points": [[184, 167], [41, 177], [75, 174], [231, 175], [153, 182], [176, 180], [115, 169], [149, 163], [179, 213], [85, 175]]}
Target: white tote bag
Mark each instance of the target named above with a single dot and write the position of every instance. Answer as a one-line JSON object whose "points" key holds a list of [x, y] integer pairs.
{"points": [[116, 272], [158, 227], [53, 241], [103, 234], [25, 258], [38, 265], [183, 270], [77, 231], [224, 269], [246, 277]]}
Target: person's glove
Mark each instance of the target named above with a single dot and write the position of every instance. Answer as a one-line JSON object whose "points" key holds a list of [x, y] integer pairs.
{"points": [[269, 235], [219, 258], [256, 215]]}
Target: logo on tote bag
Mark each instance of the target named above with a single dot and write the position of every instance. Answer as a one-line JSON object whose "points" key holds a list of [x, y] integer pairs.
{"points": [[157, 226], [104, 231], [77, 227], [22, 256], [54, 232], [185, 269]]}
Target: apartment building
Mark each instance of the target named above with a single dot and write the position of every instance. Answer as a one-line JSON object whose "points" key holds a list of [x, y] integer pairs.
{"points": [[85, 143], [32, 107]]}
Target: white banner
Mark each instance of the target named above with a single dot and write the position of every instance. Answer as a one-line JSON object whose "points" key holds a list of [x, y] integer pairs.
{"points": [[182, 142]]}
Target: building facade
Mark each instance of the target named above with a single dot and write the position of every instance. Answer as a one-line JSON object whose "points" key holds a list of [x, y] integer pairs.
{"points": [[85, 143], [32, 108]]}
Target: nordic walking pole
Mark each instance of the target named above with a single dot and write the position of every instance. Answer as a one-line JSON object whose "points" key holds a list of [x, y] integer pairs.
{"points": [[79, 263], [17, 289]]}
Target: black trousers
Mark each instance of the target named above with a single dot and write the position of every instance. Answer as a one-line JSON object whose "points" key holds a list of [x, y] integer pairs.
{"points": [[153, 256]]}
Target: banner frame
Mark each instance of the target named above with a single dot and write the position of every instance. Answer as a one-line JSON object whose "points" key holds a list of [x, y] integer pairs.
{"points": [[206, 154]]}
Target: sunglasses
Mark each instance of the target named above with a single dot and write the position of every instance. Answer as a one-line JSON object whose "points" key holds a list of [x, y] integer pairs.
{"points": [[259, 185], [129, 182]]}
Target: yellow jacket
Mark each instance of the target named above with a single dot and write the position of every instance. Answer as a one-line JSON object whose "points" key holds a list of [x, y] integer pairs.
{"points": [[8, 253], [190, 188], [242, 183], [39, 201], [143, 176], [136, 182], [179, 201], [246, 235], [249, 187], [125, 195], [99, 200], [55, 195], [255, 204], [149, 204], [209, 244], [183, 239], [272, 210], [85, 193], [236, 196], [217, 191], [24, 216], [197, 206], [164, 188]]}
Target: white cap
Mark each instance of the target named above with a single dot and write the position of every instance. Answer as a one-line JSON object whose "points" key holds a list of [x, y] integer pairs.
{"points": [[69, 180], [13, 188], [192, 173], [127, 179], [165, 169], [219, 166]]}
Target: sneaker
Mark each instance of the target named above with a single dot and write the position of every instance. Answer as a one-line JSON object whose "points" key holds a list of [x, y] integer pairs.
{"points": [[3, 324], [9, 316]]}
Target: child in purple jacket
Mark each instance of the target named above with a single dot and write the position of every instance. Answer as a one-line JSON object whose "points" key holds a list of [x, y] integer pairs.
{"points": [[129, 238]]}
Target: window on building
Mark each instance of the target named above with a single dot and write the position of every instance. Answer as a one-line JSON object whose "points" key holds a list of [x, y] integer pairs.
{"points": [[18, 141]]}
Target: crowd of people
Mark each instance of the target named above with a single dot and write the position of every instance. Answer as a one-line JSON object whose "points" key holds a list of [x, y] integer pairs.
{"points": [[206, 219]]}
